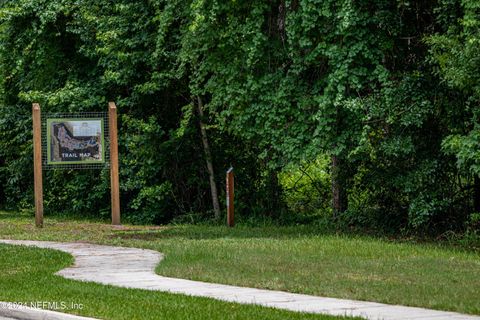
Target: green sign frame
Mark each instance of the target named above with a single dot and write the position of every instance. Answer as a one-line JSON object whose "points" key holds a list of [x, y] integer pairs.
{"points": [[99, 139]]}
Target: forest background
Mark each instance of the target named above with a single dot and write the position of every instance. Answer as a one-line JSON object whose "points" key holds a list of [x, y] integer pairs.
{"points": [[363, 114]]}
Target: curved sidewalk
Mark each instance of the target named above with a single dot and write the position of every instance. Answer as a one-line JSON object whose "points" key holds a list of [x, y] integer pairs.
{"points": [[134, 268]]}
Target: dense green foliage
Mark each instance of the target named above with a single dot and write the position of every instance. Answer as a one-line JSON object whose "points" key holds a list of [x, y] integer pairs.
{"points": [[388, 90]]}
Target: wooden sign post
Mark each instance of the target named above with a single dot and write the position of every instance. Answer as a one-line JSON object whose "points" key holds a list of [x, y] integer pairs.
{"points": [[59, 128], [230, 198], [114, 181], [37, 164]]}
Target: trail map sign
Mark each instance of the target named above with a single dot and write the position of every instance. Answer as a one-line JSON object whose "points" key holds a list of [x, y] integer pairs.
{"points": [[75, 141]]}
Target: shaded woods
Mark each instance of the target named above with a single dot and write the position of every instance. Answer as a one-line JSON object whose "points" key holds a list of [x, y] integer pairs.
{"points": [[361, 112]]}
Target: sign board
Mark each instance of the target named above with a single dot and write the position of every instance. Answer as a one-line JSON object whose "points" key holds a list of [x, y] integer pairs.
{"points": [[75, 141]]}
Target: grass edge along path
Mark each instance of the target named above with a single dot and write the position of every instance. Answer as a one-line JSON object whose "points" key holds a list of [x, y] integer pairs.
{"points": [[28, 276], [293, 259], [134, 268]]}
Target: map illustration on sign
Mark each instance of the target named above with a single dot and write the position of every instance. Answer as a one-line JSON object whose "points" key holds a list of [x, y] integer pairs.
{"points": [[75, 141]]}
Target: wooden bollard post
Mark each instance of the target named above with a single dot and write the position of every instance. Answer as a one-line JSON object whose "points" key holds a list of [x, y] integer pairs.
{"points": [[114, 180], [230, 198], [37, 164]]}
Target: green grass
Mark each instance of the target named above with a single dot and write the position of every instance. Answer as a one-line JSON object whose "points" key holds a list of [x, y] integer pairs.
{"points": [[27, 277], [294, 259]]}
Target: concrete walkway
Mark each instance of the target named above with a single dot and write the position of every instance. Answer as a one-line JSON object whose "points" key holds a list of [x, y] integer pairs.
{"points": [[134, 268]]}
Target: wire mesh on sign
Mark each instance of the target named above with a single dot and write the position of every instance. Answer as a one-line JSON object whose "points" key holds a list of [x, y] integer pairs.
{"points": [[75, 140]]}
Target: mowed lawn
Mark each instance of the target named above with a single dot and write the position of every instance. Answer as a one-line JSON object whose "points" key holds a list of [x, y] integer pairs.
{"points": [[294, 259], [27, 276]]}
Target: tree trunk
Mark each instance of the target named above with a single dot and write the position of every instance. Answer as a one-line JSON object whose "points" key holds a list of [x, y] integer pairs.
{"points": [[274, 194], [208, 159], [339, 195], [476, 194]]}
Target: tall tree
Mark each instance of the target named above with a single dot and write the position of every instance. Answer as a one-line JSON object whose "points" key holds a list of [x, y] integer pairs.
{"points": [[208, 158], [457, 52]]}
